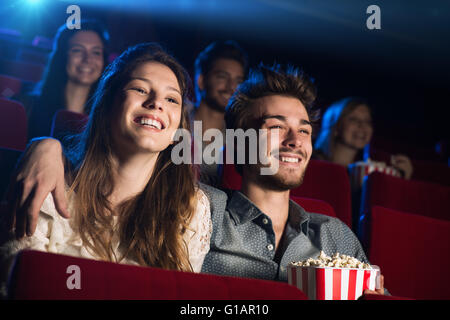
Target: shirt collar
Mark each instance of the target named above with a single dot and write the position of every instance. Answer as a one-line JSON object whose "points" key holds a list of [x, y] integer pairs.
{"points": [[242, 209]]}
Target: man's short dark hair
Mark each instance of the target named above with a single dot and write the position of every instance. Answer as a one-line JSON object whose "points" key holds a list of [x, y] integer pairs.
{"points": [[267, 81], [220, 50]]}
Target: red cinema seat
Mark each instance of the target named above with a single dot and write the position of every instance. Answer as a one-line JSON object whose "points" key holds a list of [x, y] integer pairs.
{"points": [[39, 275], [314, 205], [66, 122], [328, 182], [13, 125], [9, 86], [413, 253], [431, 171], [419, 197], [26, 71], [231, 179], [323, 180]]}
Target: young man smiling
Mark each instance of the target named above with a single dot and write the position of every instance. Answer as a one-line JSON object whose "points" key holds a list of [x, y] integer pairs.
{"points": [[258, 230], [219, 69]]}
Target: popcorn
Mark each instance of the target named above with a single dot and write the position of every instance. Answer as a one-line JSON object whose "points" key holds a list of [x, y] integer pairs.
{"points": [[337, 261], [340, 277]]}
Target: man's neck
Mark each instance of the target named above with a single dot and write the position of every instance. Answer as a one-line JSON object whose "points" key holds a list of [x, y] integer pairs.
{"points": [[76, 96], [343, 154], [210, 118], [274, 204]]}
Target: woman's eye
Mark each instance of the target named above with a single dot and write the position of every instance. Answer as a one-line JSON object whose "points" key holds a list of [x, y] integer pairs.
{"points": [[173, 100], [140, 90]]}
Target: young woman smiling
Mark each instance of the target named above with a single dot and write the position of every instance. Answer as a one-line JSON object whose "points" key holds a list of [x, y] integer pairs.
{"points": [[128, 202]]}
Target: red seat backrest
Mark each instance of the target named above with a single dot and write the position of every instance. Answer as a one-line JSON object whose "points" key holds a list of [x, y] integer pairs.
{"points": [[314, 205], [419, 197], [431, 171], [323, 180], [67, 122], [9, 86], [13, 125], [413, 252], [329, 182], [26, 71], [39, 275]]}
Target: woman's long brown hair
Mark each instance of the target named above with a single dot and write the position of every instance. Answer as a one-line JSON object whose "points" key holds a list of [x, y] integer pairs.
{"points": [[151, 224]]}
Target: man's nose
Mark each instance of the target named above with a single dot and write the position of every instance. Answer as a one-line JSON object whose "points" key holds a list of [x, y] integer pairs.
{"points": [[292, 139]]}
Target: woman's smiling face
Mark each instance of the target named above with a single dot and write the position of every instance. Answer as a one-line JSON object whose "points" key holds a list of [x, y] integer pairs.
{"points": [[147, 111], [356, 130], [85, 58]]}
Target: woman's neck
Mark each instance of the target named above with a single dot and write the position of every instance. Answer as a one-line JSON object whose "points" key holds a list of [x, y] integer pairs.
{"points": [[343, 154], [130, 176], [76, 96]]}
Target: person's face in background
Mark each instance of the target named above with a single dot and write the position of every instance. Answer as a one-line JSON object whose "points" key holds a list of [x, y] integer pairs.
{"points": [[287, 117], [356, 129], [85, 58], [147, 111], [219, 84]]}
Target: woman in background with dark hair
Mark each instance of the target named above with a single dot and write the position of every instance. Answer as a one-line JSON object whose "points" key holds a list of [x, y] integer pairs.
{"points": [[76, 63]]}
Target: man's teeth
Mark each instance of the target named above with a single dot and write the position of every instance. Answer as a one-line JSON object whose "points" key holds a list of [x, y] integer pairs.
{"points": [[150, 122], [288, 159]]}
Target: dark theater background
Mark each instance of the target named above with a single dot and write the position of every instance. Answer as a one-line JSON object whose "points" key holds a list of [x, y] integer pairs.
{"points": [[402, 69]]}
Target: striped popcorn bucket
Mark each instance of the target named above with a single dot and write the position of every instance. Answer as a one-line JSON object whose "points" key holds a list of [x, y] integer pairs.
{"points": [[359, 170], [326, 283]]}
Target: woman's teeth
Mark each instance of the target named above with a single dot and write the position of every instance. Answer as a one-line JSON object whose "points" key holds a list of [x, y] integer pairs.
{"points": [[150, 123]]}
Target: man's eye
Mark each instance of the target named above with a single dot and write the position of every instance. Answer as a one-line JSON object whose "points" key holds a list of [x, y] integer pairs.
{"points": [[275, 127], [304, 131]]}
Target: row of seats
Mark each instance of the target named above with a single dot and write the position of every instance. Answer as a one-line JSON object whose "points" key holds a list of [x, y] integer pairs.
{"points": [[382, 195], [47, 276], [404, 227]]}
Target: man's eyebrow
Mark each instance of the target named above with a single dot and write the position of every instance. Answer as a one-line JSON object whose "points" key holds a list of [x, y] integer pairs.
{"points": [[273, 116], [150, 81], [307, 122], [283, 118]]}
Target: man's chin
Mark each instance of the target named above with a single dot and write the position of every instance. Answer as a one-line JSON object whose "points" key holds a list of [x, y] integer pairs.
{"points": [[277, 183], [216, 105]]}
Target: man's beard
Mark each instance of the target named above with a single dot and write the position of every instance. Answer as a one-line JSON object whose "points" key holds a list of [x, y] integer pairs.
{"points": [[212, 102], [275, 182], [279, 183]]}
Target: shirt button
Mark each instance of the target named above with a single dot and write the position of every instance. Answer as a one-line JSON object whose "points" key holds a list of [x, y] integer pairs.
{"points": [[270, 247], [265, 221]]}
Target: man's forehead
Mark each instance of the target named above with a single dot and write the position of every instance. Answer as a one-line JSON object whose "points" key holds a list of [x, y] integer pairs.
{"points": [[279, 105], [227, 65]]}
